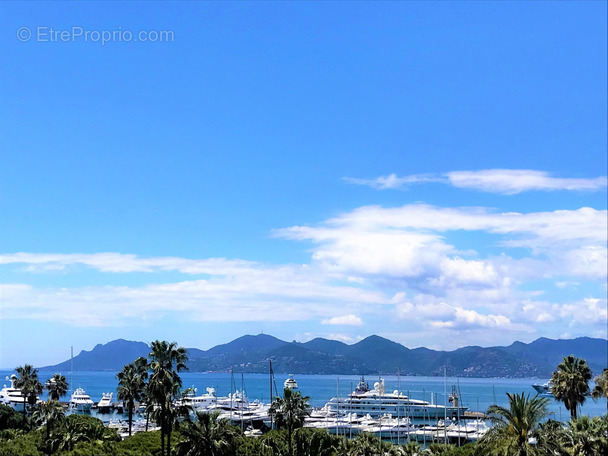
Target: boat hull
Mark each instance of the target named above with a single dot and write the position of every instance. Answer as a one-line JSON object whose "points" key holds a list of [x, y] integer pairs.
{"points": [[80, 407]]}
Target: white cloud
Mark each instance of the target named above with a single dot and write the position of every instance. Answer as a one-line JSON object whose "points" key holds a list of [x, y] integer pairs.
{"points": [[367, 265], [343, 338], [503, 181], [512, 181], [464, 318], [566, 284], [588, 310], [428, 312], [347, 320], [408, 242], [283, 293]]}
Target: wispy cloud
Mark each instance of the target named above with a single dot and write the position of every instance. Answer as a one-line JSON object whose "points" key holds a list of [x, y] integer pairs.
{"points": [[126, 263], [347, 320], [502, 181], [512, 181], [275, 295], [393, 182]]}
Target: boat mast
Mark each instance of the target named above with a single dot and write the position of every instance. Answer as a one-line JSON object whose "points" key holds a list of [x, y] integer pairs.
{"points": [[398, 406], [350, 413], [242, 398], [338, 397], [445, 407], [231, 394], [270, 382], [72, 367]]}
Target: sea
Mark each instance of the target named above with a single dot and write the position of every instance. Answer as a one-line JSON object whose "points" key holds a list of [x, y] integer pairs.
{"points": [[475, 393]]}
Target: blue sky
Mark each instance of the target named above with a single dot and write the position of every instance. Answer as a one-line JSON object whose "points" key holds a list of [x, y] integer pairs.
{"points": [[431, 172]]}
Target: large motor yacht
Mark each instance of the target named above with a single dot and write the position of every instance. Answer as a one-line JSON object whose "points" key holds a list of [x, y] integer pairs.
{"points": [[202, 402], [12, 396], [377, 402], [105, 404], [80, 401]]}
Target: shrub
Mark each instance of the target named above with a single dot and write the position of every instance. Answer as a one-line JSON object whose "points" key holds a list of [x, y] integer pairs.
{"points": [[10, 418], [22, 445]]}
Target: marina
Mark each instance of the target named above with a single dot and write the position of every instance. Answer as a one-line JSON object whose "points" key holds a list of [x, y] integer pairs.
{"points": [[397, 408]]}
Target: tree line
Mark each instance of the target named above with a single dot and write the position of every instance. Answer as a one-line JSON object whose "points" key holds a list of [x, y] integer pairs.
{"points": [[521, 429]]}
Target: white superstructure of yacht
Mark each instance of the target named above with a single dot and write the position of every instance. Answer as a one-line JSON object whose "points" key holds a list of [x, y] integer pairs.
{"points": [[12, 396], [291, 382], [377, 402], [80, 401]]}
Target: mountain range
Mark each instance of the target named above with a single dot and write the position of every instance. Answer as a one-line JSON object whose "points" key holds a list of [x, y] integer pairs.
{"points": [[251, 354]]}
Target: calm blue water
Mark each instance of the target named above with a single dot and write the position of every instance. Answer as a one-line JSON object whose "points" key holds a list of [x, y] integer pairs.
{"points": [[476, 393]]}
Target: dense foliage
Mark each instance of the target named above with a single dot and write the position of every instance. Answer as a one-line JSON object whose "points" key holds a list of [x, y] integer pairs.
{"points": [[85, 436]]}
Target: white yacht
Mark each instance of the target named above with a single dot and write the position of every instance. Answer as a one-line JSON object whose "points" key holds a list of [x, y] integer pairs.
{"points": [[80, 401], [12, 396], [291, 382], [234, 401], [378, 402], [544, 389], [105, 404], [202, 402]]}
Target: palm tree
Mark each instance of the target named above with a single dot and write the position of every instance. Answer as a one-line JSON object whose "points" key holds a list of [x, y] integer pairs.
{"points": [[601, 386], [315, 441], [29, 384], [130, 388], [570, 383], [57, 386], [141, 366], [290, 412], [207, 436], [553, 434], [166, 360], [71, 434], [366, 444], [515, 426], [583, 442], [47, 413]]}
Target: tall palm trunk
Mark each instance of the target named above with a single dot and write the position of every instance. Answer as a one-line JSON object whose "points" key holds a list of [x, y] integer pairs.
{"points": [[170, 428], [130, 415], [289, 439], [169, 437], [162, 429]]}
